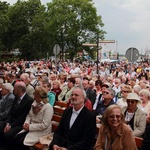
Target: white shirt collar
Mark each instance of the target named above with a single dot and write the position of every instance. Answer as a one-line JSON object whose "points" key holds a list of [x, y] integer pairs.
{"points": [[22, 96], [78, 111]]}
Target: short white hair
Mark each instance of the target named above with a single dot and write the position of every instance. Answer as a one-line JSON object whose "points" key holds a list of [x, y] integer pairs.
{"points": [[26, 76], [92, 82], [8, 86], [81, 88]]}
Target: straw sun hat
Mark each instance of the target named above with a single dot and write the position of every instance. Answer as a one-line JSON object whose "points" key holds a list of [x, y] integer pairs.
{"points": [[133, 96]]}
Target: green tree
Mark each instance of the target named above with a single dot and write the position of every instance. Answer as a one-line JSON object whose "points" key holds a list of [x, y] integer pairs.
{"points": [[34, 44], [35, 28], [4, 21], [74, 22], [25, 31]]}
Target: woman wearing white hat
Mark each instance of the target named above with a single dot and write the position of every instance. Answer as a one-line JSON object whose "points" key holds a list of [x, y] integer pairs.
{"points": [[134, 116]]}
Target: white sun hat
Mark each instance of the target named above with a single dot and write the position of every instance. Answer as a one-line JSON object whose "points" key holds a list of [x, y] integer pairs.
{"points": [[133, 96]]}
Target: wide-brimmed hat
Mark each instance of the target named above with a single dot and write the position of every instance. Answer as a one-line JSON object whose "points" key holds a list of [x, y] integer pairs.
{"points": [[106, 84], [133, 96]]}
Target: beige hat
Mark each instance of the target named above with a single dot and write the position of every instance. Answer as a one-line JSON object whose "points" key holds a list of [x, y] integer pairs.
{"points": [[8, 86], [106, 84], [133, 96]]}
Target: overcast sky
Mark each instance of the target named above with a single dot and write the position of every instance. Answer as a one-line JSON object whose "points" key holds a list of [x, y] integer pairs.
{"points": [[126, 21]]}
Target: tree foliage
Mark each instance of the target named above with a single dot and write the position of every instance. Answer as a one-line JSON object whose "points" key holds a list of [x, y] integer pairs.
{"points": [[35, 28], [4, 20]]}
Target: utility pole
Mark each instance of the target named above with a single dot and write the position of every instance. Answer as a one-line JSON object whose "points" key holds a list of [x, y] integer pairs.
{"points": [[98, 48], [116, 50], [97, 52]]}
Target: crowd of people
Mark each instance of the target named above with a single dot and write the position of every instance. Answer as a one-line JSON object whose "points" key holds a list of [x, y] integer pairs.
{"points": [[115, 97]]}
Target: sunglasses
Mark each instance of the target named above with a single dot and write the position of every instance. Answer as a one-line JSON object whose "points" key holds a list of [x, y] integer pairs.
{"points": [[114, 116], [106, 92], [109, 80], [131, 101], [124, 91]]}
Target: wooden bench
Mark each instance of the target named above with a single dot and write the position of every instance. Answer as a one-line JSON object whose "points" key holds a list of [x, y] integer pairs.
{"points": [[55, 122], [59, 108], [39, 146], [61, 104]]}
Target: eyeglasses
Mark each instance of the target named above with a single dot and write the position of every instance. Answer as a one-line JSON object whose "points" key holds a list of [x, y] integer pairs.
{"points": [[109, 80], [106, 92], [131, 101], [114, 116], [124, 91]]}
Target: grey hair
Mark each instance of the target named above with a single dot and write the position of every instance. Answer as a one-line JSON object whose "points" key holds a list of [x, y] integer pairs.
{"points": [[137, 88], [26, 76], [145, 92], [81, 88], [113, 93], [92, 82], [8, 86]]}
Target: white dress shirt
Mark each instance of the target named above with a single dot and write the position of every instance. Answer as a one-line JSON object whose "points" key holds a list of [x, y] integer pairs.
{"points": [[74, 116]]}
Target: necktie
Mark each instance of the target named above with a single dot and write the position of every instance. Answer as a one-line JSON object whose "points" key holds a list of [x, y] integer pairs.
{"points": [[18, 101]]}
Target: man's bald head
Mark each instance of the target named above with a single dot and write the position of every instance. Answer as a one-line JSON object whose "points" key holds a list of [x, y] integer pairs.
{"points": [[19, 88]]}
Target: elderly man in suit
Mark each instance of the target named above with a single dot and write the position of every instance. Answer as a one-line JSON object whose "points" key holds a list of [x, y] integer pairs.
{"points": [[16, 117], [29, 88], [77, 127], [6, 101]]}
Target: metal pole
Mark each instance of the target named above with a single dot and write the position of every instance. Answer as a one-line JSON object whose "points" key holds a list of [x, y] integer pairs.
{"points": [[116, 49], [131, 62], [97, 51], [56, 60]]}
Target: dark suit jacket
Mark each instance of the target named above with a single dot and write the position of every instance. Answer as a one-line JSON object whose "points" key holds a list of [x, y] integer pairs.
{"points": [[18, 112], [146, 138], [81, 136], [91, 95], [6, 105], [101, 107]]}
